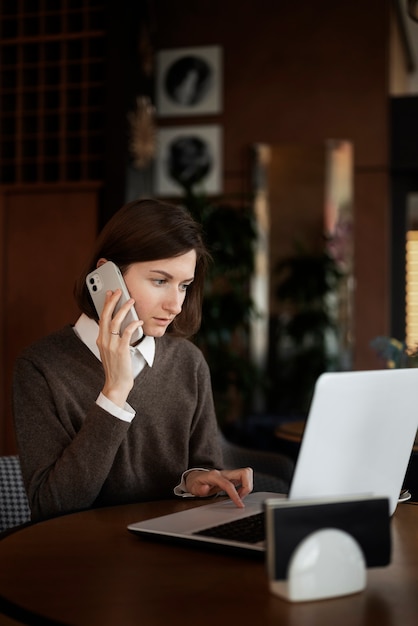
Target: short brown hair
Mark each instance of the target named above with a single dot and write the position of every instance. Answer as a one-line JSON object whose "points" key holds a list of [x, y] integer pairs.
{"points": [[149, 230]]}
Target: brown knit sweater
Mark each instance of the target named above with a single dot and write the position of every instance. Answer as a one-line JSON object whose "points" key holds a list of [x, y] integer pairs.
{"points": [[75, 455]]}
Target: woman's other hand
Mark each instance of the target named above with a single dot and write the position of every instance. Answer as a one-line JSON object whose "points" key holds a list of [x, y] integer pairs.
{"points": [[236, 483]]}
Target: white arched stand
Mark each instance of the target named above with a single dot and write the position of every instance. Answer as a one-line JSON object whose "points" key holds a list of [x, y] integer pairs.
{"points": [[321, 548], [326, 564]]}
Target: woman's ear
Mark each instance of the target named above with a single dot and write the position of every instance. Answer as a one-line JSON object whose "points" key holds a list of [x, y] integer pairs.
{"points": [[101, 262]]}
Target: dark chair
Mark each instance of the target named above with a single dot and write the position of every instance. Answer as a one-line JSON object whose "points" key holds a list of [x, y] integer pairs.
{"points": [[272, 471], [14, 506]]}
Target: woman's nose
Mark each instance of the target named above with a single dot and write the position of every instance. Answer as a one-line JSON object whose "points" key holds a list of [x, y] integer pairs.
{"points": [[174, 302]]}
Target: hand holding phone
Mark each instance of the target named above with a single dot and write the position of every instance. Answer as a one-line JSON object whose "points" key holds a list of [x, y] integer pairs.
{"points": [[108, 277]]}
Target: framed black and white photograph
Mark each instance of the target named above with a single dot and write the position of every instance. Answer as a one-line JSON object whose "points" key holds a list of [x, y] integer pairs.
{"points": [[189, 81], [188, 156]]}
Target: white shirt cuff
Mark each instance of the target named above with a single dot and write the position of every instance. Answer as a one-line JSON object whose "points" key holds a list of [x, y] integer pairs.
{"points": [[126, 414], [180, 490]]}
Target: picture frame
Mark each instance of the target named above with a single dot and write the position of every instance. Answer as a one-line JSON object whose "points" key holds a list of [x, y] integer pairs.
{"points": [[189, 81], [189, 153]]}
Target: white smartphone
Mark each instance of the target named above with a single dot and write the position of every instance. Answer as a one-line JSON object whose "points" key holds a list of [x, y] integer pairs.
{"points": [[109, 277]]}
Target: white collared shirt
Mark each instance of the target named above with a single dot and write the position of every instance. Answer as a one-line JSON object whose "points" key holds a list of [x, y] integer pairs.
{"points": [[87, 330]]}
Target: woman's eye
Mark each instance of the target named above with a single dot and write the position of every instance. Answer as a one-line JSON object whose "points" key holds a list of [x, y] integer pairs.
{"points": [[159, 281]]}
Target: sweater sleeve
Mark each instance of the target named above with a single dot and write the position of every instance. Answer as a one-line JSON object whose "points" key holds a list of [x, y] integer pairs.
{"points": [[64, 466], [204, 443]]}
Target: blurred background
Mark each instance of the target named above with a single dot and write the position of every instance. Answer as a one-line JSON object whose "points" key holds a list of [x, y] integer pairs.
{"points": [[302, 120]]}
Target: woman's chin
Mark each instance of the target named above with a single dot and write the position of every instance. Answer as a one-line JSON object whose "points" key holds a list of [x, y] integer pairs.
{"points": [[155, 331]]}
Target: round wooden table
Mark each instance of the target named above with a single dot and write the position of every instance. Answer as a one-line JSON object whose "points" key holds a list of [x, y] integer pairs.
{"points": [[88, 569]]}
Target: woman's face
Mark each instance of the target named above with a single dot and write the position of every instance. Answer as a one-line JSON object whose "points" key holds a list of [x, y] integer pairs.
{"points": [[159, 288]]}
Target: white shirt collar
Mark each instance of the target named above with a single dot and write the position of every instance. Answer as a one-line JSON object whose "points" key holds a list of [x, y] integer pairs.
{"points": [[88, 329]]}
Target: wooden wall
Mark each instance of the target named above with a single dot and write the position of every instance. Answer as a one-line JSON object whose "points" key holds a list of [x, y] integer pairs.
{"points": [[303, 73], [46, 233], [293, 73]]}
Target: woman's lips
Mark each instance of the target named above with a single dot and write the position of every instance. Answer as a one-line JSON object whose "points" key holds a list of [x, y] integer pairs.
{"points": [[162, 321]]}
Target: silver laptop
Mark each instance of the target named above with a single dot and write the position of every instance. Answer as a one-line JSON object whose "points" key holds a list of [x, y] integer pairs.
{"points": [[358, 440]]}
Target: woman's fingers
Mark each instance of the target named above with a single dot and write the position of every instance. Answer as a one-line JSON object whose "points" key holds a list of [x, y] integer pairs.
{"points": [[113, 321], [236, 483]]}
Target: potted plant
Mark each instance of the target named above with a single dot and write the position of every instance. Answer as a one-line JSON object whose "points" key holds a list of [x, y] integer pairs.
{"points": [[304, 340], [230, 234]]}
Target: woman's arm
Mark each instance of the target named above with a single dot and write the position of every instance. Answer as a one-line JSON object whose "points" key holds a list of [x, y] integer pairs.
{"points": [[67, 444], [205, 437]]}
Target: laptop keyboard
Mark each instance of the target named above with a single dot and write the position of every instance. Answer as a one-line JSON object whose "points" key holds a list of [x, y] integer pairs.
{"points": [[247, 530]]}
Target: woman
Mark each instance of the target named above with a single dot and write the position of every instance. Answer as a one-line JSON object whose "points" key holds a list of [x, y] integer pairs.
{"points": [[100, 422]]}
